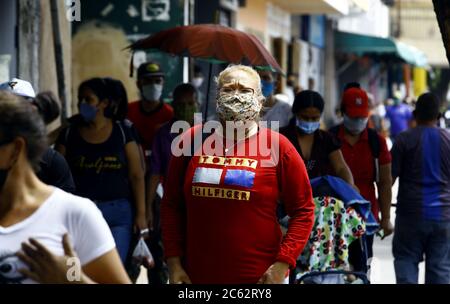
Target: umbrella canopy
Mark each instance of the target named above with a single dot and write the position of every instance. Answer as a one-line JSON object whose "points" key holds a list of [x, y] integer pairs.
{"points": [[211, 42]]}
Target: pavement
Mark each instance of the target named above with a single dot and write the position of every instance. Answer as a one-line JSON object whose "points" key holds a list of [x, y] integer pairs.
{"points": [[142, 279], [382, 267], [382, 271]]}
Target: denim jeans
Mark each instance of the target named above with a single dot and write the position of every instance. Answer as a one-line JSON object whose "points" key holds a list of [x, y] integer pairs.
{"points": [[415, 239], [119, 216]]}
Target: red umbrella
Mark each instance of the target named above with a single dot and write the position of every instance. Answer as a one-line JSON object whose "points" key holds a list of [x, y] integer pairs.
{"points": [[212, 42]]}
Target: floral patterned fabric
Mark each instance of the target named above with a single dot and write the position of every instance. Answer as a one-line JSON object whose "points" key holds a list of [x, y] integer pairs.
{"points": [[335, 228], [238, 107]]}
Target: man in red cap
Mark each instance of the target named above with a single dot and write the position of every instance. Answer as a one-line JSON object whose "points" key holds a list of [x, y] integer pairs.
{"points": [[367, 155]]}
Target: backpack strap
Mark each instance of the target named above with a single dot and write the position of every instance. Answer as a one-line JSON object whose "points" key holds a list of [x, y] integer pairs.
{"points": [[124, 138], [334, 130], [67, 135], [375, 148]]}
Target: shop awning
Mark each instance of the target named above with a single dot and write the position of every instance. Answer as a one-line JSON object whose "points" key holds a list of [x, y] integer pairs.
{"points": [[363, 45], [313, 7]]}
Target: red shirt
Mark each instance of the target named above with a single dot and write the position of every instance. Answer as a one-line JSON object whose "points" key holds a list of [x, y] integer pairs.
{"points": [[227, 229], [360, 160], [148, 123]]}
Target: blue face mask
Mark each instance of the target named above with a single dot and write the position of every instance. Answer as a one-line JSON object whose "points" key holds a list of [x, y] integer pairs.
{"points": [[88, 112], [307, 127], [267, 88]]}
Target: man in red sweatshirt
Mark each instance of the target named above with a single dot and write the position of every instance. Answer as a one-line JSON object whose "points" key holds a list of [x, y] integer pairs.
{"points": [[218, 214]]}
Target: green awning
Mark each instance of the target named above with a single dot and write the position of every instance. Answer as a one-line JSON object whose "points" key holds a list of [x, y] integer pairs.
{"points": [[362, 45]]}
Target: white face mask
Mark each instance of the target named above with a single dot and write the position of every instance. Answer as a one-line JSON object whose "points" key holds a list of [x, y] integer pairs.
{"points": [[355, 125], [197, 82], [152, 92]]}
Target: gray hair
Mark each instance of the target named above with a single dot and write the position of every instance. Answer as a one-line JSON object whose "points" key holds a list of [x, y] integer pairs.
{"points": [[249, 70]]}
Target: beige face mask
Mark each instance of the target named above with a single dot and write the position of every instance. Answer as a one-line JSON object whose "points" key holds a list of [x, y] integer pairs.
{"points": [[237, 107]]}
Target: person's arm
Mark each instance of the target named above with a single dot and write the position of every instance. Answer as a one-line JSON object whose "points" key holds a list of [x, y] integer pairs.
{"points": [[296, 195], [61, 174], [61, 141], [152, 185], [154, 176], [396, 153], [173, 217], [137, 180], [61, 149], [48, 268], [384, 198], [340, 166], [177, 274], [107, 269]]}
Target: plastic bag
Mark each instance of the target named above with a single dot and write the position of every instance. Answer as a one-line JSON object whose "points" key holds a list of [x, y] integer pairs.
{"points": [[142, 255]]}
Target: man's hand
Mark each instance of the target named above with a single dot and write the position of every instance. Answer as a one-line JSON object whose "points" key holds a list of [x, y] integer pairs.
{"points": [[177, 275], [44, 266], [276, 274], [140, 225], [387, 227]]}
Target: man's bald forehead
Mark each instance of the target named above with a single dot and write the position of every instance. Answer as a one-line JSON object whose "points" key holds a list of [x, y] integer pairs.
{"points": [[239, 76]]}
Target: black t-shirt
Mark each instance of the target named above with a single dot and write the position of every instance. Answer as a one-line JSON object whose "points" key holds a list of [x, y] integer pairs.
{"points": [[55, 171], [324, 144], [100, 171]]}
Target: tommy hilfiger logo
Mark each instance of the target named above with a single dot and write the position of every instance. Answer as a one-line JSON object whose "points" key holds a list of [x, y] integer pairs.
{"points": [[225, 176]]}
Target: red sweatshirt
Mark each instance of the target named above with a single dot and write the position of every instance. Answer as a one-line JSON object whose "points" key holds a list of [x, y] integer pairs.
{"points": [[226, 230]]}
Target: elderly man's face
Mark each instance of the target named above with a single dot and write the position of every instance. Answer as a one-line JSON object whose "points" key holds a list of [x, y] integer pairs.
{"points": [[239, 81]]}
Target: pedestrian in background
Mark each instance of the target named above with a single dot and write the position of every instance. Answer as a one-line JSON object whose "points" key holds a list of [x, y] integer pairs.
{"points": [[53, 168], [367, 155], [319, 149], [421, 161], [40, 225], [274, 108], [399, 115], [185, 105], [106, 162], [150, 112]]}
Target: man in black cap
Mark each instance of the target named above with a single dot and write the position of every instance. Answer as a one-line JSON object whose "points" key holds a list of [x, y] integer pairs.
{"points": [[147, 115]]}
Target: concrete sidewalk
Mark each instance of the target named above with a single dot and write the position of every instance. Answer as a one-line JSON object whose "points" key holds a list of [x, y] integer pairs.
{"points": [[382, 271]]}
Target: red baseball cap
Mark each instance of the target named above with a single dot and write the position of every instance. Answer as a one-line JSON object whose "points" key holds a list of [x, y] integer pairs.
{"points": [[355, 103]]}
